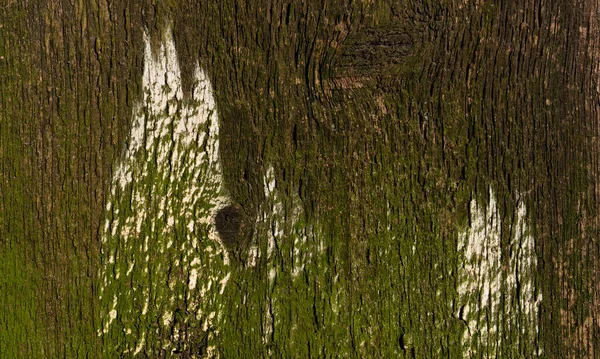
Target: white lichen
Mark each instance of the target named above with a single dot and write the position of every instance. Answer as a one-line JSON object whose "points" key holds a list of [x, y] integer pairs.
{"points": [[493, 289], [165, 192]]}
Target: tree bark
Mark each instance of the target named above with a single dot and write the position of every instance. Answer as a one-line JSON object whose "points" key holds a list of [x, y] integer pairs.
{"points": [[299, 179]]}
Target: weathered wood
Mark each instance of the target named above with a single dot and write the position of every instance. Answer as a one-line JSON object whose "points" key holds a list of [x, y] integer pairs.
{"points": [[410, 179]]}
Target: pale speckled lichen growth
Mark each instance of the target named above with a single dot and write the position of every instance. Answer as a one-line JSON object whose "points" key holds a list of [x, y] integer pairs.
{"points": [[497, 296], [160, 251]]}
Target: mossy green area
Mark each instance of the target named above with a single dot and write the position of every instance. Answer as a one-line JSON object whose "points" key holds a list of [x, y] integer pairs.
{"points": [[353, 139], [19, 298]]}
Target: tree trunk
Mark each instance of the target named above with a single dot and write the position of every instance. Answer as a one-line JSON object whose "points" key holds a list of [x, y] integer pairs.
{"points": [[299, 179]]}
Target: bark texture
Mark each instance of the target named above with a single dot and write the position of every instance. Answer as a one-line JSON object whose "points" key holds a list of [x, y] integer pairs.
{"points": [[299, 179]]}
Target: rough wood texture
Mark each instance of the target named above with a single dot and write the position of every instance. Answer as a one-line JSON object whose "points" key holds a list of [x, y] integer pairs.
{"points": [[412, 179]]}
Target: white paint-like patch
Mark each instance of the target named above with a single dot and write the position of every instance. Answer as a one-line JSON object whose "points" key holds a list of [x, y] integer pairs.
{"points": [[272, 274], [112, 315], [140, 346], [194, 274], [193, 279], [166, 188], [486, 278], [224, 283], [167, 318], [269, 181], [253, 256], [130, 269], [146, 304]]}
